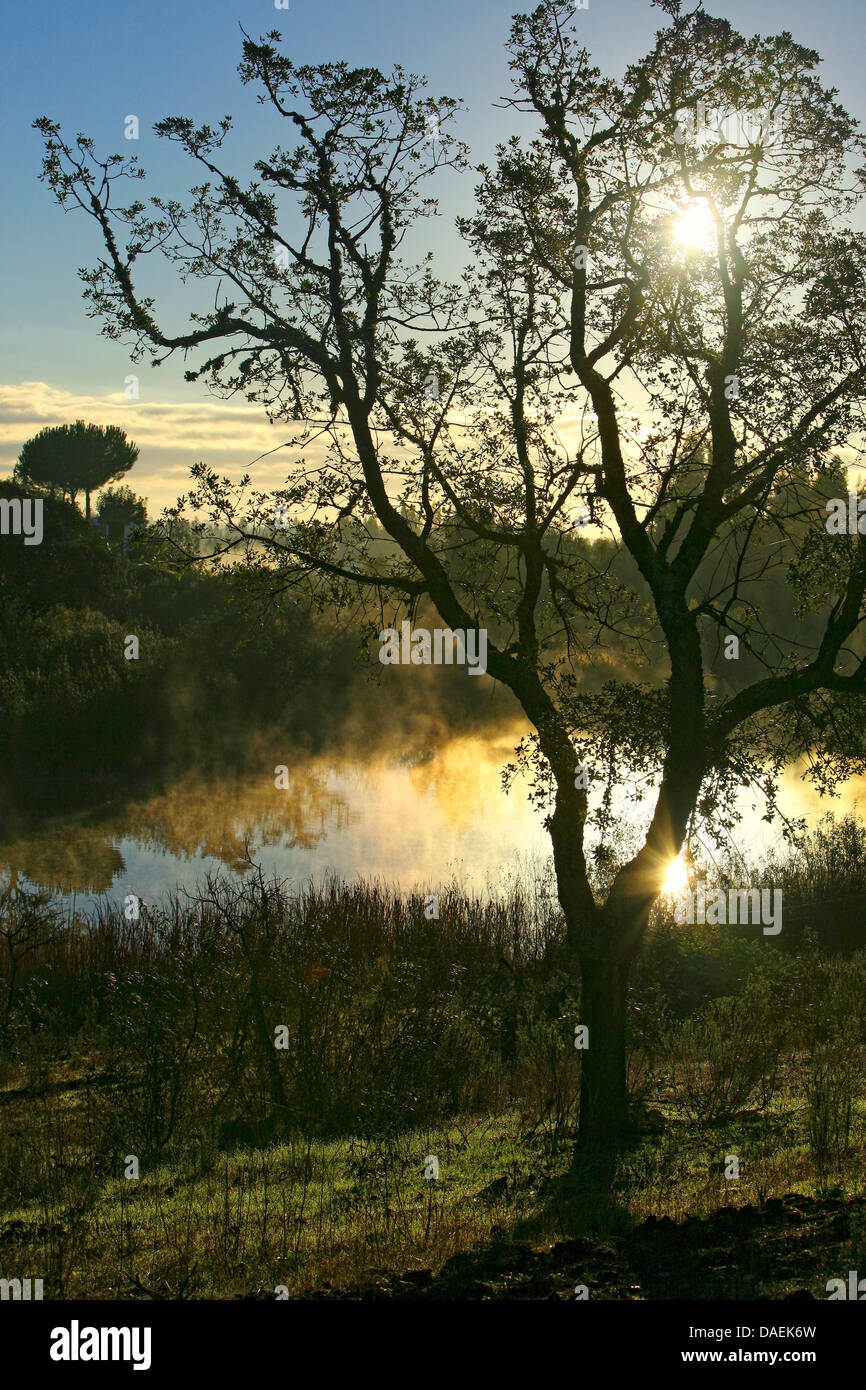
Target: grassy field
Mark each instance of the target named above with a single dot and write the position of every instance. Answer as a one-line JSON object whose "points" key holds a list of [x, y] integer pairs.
{"points": [[154, 1142], [304, 1215]]}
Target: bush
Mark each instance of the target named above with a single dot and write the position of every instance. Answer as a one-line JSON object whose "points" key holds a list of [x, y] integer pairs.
{"points": [[721, 1059]]}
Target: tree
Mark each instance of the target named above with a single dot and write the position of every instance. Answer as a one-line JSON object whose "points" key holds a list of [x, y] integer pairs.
{"points": [[72, 565], [76, 458], [660, 328], [119, 507]]}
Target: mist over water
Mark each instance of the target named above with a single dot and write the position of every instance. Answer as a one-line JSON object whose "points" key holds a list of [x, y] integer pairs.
{"points": [[149, 781], [413, 821]]}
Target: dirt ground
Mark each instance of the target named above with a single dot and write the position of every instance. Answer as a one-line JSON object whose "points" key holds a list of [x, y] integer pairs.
{"points": [[787, 1248]]}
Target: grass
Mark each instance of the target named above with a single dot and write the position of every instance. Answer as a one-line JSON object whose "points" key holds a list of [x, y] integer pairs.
{"points": [[408, 1038], [310, 1214]]}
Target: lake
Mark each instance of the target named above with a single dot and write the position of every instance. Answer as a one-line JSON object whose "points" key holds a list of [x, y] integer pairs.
{"points": [[413, 824]]}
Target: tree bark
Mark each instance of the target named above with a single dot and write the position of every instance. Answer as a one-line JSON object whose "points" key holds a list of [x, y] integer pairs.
{"points": [[603, 1094]]}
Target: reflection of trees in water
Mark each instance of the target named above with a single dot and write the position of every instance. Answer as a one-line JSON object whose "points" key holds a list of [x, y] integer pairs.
{"points": [[219, 820], [464, 775], [74, 860]]}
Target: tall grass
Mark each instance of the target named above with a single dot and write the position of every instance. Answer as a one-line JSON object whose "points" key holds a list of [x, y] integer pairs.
{"points": [[407, 1034], [390, 1017], [250, 1012]]}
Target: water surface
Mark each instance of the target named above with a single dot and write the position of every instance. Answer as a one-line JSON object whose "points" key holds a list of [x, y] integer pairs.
{"points": [[410, 824]]}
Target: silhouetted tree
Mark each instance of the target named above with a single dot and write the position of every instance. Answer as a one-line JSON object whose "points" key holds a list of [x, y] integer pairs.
{"points": [[118, 507], [663, 328], [76, 458]]}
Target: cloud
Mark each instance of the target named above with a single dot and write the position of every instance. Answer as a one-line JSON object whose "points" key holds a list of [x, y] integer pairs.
{"points": [[171, 435], [192, 425]]}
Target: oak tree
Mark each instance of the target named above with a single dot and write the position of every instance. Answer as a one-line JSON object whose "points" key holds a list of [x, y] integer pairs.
{"points": [[658, 334]]}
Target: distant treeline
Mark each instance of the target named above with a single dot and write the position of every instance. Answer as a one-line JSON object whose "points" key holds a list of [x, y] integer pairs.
{"points": [[219, 658], [222, 656]]}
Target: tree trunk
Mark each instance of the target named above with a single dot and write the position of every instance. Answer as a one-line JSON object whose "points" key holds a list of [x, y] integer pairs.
{"points": [[603, 1095], [87, 504]]}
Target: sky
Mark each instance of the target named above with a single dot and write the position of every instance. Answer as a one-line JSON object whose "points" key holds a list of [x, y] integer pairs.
{"points": [[93, 63]]}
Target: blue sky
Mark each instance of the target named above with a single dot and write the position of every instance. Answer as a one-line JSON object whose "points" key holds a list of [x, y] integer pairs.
{"points": [[92, 63]]}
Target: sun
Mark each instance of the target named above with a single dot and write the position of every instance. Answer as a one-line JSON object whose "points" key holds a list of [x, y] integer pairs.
{"points": [[694, 228], [676, 878]]}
